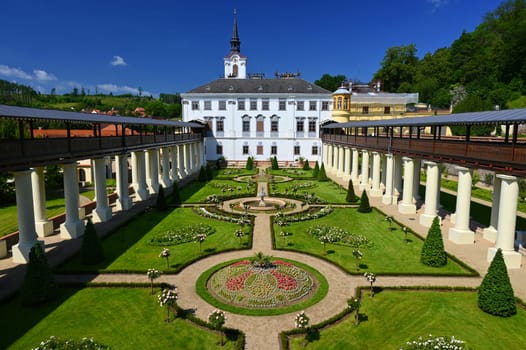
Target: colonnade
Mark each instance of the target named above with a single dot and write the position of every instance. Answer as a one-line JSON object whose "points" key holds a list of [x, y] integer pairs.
{"points": [[382, 177], [148, 173]]}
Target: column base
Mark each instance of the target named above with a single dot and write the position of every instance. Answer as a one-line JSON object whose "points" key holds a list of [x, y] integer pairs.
{"points": [[460, 236], [123, 204], [3, 249], [490, 234], [426, 219], [82, 213], [375, 193], [512, 258], [21, 251], [406, 208], [346, 178], [166, 183], [363, 187], [153, 188], [44, 228], [72, 230], [101, 214], [142, 194], [453, 218]]}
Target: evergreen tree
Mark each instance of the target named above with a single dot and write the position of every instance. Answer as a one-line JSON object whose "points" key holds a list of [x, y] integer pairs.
{"points": [[351, 196], [202, 174], [91, 251], [161, 200], [364, 207], [209, 172], [322, 176], [250, 163], [39, 285], [433, 253], [176, 195], [306, 165], [495, 295], [274, 163], [316, 170]]}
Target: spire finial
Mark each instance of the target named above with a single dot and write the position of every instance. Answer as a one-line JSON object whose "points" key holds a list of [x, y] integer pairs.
{"points": [[235, 44]]}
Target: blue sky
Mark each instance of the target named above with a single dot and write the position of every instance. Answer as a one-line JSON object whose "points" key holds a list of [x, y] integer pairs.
{"points": [[174, 46]]}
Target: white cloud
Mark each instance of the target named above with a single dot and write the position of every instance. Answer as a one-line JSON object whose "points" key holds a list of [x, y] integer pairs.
{"points": [[14, 72], [116, 89], [42, 75], [118, 61], [437, 3]]}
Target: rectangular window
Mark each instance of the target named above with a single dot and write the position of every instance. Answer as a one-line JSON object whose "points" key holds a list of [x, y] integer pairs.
{"points": [[299, 125], [195, 105], [208, 105], [324, 105], [260, 126], [312, 126], [274, 126], [259, 150], [220, 125], [240, 104], [273, 150], [253, 104], [296, 150], [222, 105], [219, 149], [265, 103], [365, 110], [300, 105], [282, 104], [312, 105], [314, 150], [246, 125], [387, 110], [245, 149]]}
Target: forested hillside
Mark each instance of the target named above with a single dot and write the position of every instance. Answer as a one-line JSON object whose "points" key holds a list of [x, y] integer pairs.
{"points": [[481, 69]]}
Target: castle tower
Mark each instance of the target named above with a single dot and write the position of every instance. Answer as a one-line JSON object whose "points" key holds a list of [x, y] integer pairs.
{"points": [[235, 62]]}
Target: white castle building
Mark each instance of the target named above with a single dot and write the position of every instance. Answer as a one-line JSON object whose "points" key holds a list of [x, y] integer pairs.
{"points": [[249, 115]]}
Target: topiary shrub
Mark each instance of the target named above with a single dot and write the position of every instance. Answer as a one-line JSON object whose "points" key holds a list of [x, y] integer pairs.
{"points": [[274, 163], [250, 163], [364, 207], [316, 170], [306, 165], [161, 200], [322, 175], [495, 295], [91, 251], [433, 253], [39, 285], [351, 196], [176, 194], [202, 174], [209, 172]]}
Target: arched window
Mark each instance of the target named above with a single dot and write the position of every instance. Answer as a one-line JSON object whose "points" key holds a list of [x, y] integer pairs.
{"points": [[339, 106], [234, 70]]}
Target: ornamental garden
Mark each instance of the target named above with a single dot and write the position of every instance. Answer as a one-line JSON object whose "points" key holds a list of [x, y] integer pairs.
{"points": [[214, 217]]}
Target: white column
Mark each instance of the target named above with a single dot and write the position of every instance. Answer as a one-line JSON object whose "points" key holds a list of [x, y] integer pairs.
{"points": [[102, 212], [460, 233], [383, 177], [152, 170], [397, 176], [354, 168], [341, 159], [364, 180], [43, 226], [73, 227], [490, 233], [27, 236], [430, 208], [416, 179], [187, 164], [439, 188], [325, 154], [389, 197], [347, 164], [375, 190], [328, 165], [407, 206], [181, 162], [165, 161], [121, 173], [509, 195], [139, 176], [173, 161]]}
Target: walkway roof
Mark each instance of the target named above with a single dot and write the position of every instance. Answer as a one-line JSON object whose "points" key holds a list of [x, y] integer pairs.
{"points": [[508, 116], [26, 113]]}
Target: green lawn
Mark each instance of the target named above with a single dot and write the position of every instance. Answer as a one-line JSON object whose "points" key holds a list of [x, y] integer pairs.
{"points": [[389, 254], [128, 248], [122, 318], [328, 191], [197, 192], [293, 173], [392, 318]]}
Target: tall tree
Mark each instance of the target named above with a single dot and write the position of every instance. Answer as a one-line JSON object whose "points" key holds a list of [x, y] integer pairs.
{"points": [[398, 67], [330, 82]]}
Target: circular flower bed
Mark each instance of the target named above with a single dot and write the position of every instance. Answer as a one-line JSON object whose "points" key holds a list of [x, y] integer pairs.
{"points": [[245, 284]]}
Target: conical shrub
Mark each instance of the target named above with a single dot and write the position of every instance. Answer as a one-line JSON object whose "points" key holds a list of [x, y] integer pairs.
{"points": [[176, 194], [495, 295], [209, 172], [322, 176], [306, 165], [351, 195], [39, 285], [364, 207], [433, 253], [316, 170], [91, 251], [161, 200], [202, 174]]}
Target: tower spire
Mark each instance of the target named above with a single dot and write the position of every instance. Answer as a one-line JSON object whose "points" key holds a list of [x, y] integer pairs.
{"points": [[235, 44]]}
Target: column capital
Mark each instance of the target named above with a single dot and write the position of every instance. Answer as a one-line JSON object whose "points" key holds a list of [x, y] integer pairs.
{"points": [[461, 168], [506, 177], [407, 159], [430, 163]]}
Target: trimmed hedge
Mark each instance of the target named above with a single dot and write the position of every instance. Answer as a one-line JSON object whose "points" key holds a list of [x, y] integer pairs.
{"points": [[91, 251], [316, 170], [351, 196], [433, 253], [39, 285], [322, 175], [364, 207]]}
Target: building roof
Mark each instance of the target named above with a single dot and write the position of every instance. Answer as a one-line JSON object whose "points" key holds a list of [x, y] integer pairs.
{"points": [[79, 117], [259, 86], [509, 116]]}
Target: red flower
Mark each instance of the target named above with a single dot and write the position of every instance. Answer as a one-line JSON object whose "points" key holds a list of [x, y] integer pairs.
{"points": [[285, 282], [238, 282]]}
